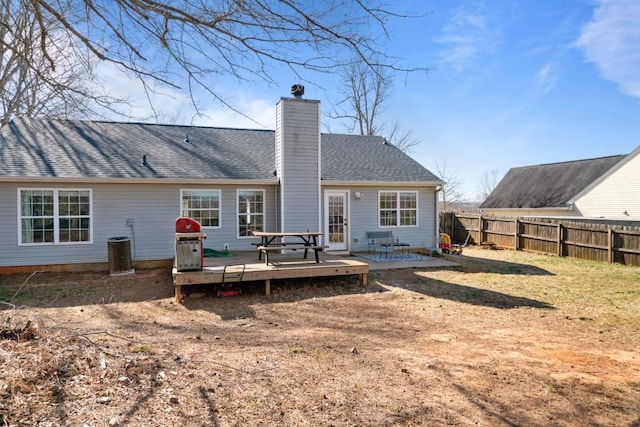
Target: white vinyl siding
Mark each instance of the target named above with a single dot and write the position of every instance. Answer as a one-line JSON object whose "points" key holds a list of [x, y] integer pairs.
{"points": [[250, 212], [144, 213], [298, 157], [201, 205], [364, 216], [398, 209], [51, 216], [617, 195]]}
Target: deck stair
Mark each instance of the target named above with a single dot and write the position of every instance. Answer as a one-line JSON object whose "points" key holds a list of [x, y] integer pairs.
{"points": [[233, 272]]}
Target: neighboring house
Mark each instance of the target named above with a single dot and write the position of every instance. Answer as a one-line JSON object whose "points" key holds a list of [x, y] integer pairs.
{"points": [[66, 187], [606, 187], [466, 207]]}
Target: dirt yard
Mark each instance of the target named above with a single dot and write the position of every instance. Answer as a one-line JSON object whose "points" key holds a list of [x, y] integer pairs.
{"points": [[506, 339]]}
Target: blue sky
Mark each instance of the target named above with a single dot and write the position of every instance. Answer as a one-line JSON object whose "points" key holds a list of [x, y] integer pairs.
{"points": [[510, 83]]}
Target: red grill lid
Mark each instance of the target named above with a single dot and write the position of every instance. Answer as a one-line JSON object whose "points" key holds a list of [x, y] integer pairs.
{"points": [[187, 225]]}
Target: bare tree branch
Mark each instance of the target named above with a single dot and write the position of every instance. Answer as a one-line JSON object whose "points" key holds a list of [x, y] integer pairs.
{"points": [[450, 193], [41, 74], [183, 43], [364, 96], [488, 181], [402, 139]]}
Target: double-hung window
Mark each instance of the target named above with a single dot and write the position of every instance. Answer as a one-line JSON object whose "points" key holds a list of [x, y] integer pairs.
{"points": [[250, 212], [201, 205], [398, 208], [54, 216]]}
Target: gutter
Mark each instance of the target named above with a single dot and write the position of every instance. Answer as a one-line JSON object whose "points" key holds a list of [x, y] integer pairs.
{"points": [[148, 181], [561, 209], [383, 183]]}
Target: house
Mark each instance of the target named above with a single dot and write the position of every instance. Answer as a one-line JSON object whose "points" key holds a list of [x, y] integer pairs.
{"points": [[67, 187], [605, 187]]}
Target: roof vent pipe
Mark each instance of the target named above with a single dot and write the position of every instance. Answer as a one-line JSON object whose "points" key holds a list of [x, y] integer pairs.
{"points": [[144, 161]]}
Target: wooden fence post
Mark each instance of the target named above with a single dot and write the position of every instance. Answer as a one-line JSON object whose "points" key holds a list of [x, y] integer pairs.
{"points": [[481, 228], [610, 243], [517, 234], [560, 238]]}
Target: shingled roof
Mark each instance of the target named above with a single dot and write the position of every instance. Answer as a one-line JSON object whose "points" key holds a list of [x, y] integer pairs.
{"points": [[39, 148], [368, 158], [550, 185]]}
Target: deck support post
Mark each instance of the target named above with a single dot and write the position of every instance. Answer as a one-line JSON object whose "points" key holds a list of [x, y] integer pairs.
{"points": [[267, 286]]}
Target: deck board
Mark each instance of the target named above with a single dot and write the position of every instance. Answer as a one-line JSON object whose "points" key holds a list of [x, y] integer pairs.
{"points": [[283, 266]]}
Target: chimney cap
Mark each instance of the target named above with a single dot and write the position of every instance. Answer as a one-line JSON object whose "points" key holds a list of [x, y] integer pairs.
{"points": [[297, 90]]}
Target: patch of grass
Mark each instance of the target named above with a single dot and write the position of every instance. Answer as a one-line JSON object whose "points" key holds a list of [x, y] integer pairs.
{"points": [[634, 385], [34, 294], [296, 350], [142, 349], [6, 294], [608, 295], [473, 294]]}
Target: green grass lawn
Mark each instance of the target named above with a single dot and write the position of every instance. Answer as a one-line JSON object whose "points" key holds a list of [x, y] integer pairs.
{"points": [[608, 294]]}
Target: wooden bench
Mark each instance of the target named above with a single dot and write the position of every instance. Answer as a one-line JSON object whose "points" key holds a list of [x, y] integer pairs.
{"points": [[290, 247]]}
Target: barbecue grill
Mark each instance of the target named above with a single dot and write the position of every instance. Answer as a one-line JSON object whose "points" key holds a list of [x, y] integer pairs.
{"points": [[189, 237]]}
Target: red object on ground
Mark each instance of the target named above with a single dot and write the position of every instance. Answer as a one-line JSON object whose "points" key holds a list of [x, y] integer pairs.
{"points": [[229, 293], [187, 225]]}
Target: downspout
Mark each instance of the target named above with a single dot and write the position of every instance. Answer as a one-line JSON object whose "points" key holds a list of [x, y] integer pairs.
{"points": [[437, 216], [275, 203]]}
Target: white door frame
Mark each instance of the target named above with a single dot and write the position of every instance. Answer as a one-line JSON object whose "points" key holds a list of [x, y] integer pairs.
{"points": [[344, 246]]}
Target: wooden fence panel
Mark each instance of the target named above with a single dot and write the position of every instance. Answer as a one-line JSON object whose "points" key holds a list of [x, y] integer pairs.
{"points": [[500, 231], [627, 243], [539, 237], [596, 242], [466, 225], [586, 242], [447, 222]]}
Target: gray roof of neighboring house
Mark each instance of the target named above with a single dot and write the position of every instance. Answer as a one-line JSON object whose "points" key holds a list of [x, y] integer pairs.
{"points": [[44, 148], [547, 186]]}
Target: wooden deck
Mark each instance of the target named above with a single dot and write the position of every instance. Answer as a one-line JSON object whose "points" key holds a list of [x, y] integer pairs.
{"points": [[218, 270]]}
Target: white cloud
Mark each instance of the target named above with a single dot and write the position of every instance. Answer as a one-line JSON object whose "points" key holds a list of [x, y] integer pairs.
{"points": [[175, 107], [466, 35], [611, 40], [261, 114], [118, 84], [544, 79]]}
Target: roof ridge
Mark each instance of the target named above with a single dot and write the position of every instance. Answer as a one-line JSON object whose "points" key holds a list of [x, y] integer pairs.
{"points": [[570, 161], [113, 122]]}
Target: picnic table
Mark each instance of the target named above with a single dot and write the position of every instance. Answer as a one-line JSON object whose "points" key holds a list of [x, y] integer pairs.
{"points": [[277, 241]]}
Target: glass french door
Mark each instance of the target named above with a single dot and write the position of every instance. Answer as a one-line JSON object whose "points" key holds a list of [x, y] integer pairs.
{"points": [[336, 219]]}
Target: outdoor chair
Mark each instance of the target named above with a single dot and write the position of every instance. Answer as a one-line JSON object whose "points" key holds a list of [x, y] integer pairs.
{"points": [[379, 241], [384, 245]]}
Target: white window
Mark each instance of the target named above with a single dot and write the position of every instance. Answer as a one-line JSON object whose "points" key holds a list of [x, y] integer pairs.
{"points": [[201, 205], [54, 216], [250, 212], [398, 208]]}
